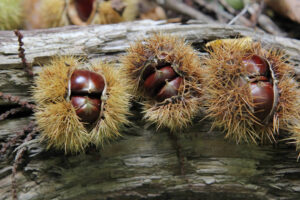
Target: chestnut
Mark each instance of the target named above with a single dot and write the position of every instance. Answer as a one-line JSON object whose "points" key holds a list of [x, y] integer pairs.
{"points": [[157, 79], [256, 65], [84, 8], [87, 109], [170, 89], [162, 83], [86, 82], [86, 89], [261, 86], [263, 99], [118, 6]]}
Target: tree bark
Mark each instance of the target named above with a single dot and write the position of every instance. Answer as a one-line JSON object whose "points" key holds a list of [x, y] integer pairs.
{"points": [[145, 163], [108, 43]]}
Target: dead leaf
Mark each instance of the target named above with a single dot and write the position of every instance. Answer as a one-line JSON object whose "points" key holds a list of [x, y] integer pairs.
{"points": [[288, 8]]}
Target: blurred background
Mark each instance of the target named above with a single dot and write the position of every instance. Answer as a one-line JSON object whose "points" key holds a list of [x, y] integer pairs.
{"points": [[277, 17]]}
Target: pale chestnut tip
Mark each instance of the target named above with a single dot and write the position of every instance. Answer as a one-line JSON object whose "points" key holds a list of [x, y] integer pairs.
{"points": [[170, 89]]}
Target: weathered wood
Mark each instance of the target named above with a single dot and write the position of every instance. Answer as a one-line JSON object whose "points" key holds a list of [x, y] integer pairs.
{"points": [[144, 163], [108, 42], [114, 39]]}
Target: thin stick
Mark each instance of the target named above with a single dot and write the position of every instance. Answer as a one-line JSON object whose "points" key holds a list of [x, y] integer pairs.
{"points": [[255, 16], [10, 112], [17, 162], [15, 99], [185, 9], [227, 6], [29, 128], [27, 67], [239, 15]]}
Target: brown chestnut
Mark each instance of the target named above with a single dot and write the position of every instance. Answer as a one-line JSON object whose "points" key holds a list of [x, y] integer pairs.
{"points": [[256, 65], [87, 108], [261, 86], [263, 99], [157, 79], [170, 89], [84, 8], [162, 83], [86, 90], [86, 82]]}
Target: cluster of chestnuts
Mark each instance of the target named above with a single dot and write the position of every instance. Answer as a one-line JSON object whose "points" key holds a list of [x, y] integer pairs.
{"points": [[263, 87], [86, 88], [247, 91], [162, 83]]}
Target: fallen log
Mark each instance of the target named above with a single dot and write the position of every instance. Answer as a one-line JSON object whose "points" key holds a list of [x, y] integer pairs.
{"points": [[145, 163]]}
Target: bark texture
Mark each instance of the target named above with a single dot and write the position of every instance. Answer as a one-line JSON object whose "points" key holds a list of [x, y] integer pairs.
{"points": [[108, 43], [145, 163]]}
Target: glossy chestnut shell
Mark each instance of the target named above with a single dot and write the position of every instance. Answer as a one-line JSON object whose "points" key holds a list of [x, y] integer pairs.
{"points": [[261, 85], [170, 89], [263, 98], [157, 79], [86, 82], [84, 8], [256, 66], [87, 109], [161, 83], [86, 89]]}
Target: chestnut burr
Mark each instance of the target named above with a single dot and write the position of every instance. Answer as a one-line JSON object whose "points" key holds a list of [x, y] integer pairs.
{"points": [[78, 107], [165, 73]]}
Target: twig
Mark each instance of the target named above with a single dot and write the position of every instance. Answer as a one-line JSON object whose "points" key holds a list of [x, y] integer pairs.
{"points": [[227, 6], [255, 16], [222, 14], [10, 112], [185, 9], [17, 162], [239, 15], [269, 26], [29, 128], [263, 20], [27, 67], [215, 8], [15, 99]]}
